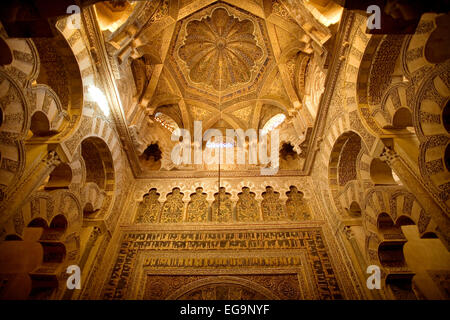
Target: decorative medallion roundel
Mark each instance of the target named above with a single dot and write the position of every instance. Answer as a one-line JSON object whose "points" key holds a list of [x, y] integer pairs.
{"points": [[220, 50]]}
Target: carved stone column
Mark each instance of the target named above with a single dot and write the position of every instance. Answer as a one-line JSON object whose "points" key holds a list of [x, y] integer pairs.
{"points": [[352, 244], [416, 187], [34, 178], [349, 234], [95, 232], [94, 235]]}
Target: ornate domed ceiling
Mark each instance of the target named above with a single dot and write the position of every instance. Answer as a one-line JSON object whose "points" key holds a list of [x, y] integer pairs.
{"points": [[221, 50], [232, 62]]}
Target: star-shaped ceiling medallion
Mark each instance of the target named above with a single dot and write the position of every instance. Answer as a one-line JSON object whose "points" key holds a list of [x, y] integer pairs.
{"points": [[220, 50]]}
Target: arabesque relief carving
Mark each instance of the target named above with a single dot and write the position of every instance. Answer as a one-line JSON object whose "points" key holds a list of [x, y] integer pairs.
{"points": [[149, 208], [247, 208], [222, 210], [296, 206], [220, 50], [198, 208], [173, 208], [271, 206]]}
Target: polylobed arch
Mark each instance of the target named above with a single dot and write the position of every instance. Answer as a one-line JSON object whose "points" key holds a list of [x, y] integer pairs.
{"points": [[386, 224], [289, 158], [55, 81], [383, 96], [402, 118], [398, 207], [347, 163], [58, 68], [401, 286], [391, 255], [287, 149], [60, 178], [59, 222], [38, 223], [432, 102], [48, 115], [343, 168], [98, 162], [57, 227], [381, 173], [394, 111], [384, 221], [14, 123], [47, 252], [40, 126], [378, 66], [400, 252], [404, 221]]}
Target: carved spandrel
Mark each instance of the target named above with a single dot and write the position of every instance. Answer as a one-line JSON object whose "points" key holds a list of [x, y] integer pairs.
{"points": [[149, 208], [247, 207], [197, 209], [296, 206], [271, 206], [222, 207], [173, 208]]}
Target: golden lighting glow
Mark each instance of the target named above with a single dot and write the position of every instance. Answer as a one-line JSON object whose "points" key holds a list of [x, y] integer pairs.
{"points": [[273, 122], [217, 145], [165, 121], [111, 17], [98, 96], [329, 14]]}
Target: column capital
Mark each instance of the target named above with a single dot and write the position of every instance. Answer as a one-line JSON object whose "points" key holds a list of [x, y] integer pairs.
{"points": [[96, 232], [52, 159], [349, 232], [388, 155]]}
